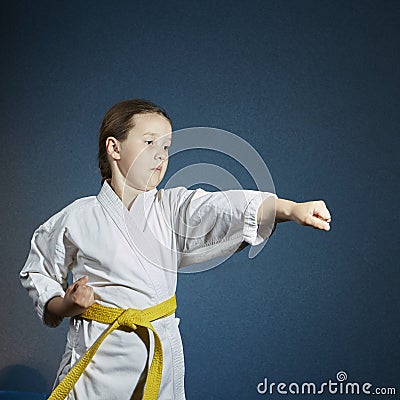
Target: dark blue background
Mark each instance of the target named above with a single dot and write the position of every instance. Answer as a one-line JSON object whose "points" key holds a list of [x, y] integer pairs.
{"points": [[312, 85]]}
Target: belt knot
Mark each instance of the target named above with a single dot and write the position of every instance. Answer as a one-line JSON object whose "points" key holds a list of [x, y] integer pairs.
{"points": [[130, 318]]}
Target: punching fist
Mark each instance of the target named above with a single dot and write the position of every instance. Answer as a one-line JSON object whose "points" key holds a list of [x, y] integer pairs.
{"points": [[312, 213]]}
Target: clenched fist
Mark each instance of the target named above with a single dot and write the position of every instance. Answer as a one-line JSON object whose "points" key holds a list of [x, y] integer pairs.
{"points": [[312, 213], [77, 299]]}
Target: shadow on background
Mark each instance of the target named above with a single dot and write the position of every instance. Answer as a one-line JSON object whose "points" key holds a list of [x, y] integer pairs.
{"points": [[20, 382]]}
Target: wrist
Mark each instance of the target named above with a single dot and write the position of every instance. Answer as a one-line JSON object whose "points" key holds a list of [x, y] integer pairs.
{"points": [[56, 306], [61, 307], [284, 209]]}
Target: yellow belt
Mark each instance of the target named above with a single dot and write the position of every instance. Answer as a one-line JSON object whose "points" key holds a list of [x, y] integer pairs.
{"points": [[128, 318]]}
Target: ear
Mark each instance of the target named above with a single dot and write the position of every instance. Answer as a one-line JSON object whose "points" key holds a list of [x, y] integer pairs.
{"points": [[113, 147]]}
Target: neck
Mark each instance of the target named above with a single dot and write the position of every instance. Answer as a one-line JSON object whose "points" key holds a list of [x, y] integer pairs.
{"points": [[126, 193]]}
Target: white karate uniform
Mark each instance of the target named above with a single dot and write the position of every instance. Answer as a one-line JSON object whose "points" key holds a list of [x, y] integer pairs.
{"points": [[131, 258]]}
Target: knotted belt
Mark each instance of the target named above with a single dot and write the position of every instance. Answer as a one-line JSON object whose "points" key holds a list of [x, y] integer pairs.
{"points": [[128, 318]]}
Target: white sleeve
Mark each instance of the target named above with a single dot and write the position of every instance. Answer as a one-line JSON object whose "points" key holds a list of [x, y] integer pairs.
{"points": [[44, 274], [213, 224]]}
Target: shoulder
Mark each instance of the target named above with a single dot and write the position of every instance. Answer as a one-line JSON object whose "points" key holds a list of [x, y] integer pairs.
{"points": [[170, 192], [73, 211], [174, 198], [179, 194]]}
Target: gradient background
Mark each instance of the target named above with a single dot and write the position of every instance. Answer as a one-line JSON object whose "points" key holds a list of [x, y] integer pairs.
{"points": [[312, 85]]}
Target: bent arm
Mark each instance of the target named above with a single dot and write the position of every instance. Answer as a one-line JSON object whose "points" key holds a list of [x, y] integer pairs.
{"points": [[78, 297]]}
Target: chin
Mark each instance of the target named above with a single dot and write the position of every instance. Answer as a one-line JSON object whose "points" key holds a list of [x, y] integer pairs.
{"points": [[150, 186]]}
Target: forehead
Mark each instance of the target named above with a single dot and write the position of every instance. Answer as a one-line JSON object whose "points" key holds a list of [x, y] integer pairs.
{"points": [[152, 124]]}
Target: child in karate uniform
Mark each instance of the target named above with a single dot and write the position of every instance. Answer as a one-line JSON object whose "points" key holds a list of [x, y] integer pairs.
{"points": [[124, 247]]}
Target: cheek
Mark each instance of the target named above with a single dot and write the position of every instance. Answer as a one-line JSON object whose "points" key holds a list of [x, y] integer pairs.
{"points": [[164, 170], [134, 159], [129, 164], [164, 167]]}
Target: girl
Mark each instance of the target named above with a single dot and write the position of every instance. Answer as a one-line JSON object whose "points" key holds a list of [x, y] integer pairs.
{"points": [[123, 248]]}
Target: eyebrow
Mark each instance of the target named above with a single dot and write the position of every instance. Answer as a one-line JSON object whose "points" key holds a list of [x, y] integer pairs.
{"points": [[154, 134]]}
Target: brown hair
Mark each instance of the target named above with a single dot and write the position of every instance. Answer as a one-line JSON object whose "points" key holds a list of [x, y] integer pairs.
{"points": [[117, 122]]}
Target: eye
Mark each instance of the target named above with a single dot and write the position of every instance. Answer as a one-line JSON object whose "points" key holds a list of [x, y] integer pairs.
{"points": [[148, 141], [166, 147]]}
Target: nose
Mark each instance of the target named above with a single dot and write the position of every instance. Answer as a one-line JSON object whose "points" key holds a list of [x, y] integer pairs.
{"points": [[161, 154]]}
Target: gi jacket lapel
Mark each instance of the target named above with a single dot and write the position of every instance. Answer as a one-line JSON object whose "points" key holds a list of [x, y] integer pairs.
{"points": [[132, 224]]}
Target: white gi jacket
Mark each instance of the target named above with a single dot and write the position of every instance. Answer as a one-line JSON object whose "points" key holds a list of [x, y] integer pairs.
{"points": [[131, 258]]}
